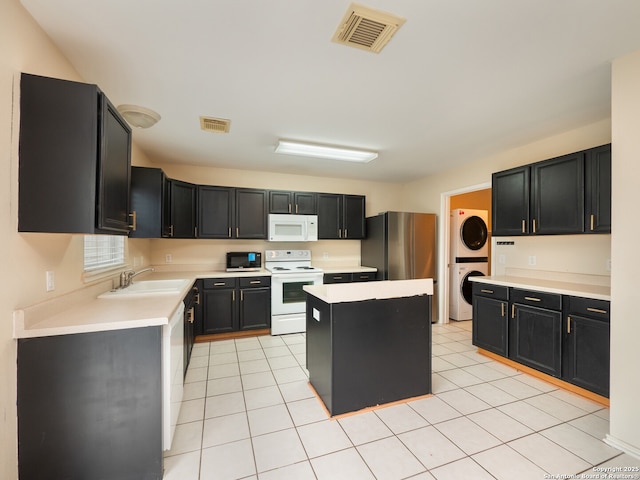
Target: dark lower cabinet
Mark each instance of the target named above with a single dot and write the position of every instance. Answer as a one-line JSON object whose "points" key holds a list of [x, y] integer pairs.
{"points": [[586, 344], [490, 326], [190, 308], [90, 406], [231, 304], [348, 277], [560, 335]]}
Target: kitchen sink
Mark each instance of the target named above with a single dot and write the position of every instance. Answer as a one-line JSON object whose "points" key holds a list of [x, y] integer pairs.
{"points": [[148, 287]]}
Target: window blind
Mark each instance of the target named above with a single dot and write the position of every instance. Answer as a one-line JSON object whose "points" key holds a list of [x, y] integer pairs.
{"points": [[103, 251]]}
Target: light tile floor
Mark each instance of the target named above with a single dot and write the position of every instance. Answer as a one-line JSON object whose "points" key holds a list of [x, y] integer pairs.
{"points": [[248, 413]]}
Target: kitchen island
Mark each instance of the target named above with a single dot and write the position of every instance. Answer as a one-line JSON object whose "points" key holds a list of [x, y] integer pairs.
{"points": [[369, 344]]}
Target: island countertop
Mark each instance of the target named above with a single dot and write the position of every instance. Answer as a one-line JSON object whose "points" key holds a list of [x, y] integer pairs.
{"points": [[354, 292]]}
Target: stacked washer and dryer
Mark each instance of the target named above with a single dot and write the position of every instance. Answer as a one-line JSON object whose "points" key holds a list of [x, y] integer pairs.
{"points": [[469, 257]]}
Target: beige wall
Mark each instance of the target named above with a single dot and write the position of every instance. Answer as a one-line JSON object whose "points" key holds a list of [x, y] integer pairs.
{"points": [[625, 326]]}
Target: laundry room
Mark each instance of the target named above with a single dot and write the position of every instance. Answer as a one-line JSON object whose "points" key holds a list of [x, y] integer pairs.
{"points": [[469, 248]]}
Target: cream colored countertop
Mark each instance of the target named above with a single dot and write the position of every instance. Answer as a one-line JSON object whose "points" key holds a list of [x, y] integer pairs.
{"points": [[597, 292], [349, 269], [82, 312], [358, 291]]}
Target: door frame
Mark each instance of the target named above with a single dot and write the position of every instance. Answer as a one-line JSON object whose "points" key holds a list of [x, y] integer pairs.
{"points": [[444, 241]]}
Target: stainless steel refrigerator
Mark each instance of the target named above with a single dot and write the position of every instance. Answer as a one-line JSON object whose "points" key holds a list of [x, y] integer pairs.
{"points": [[402, 245]]}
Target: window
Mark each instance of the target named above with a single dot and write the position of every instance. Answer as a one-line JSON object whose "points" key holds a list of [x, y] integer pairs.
{"points": [[103, 251]]}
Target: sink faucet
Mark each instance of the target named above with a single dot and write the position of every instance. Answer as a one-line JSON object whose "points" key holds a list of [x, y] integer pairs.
{"points": [[126, 277]]}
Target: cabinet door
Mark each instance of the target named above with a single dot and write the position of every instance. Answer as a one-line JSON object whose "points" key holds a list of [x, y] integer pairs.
{"points": [[558, 195], [587, 354], [354, 224], [251, 213], [329, 216], [114, 167], [183, 208], [280, 202], [215, 211], [598, 190], [255, 308], [510, 202], [219, 311], [535, 338], [147, 191], [305, 203], [490, 324]]}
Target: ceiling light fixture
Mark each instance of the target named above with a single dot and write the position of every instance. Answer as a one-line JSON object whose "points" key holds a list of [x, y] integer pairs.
{"points": [[325, 151], [139, 117]]}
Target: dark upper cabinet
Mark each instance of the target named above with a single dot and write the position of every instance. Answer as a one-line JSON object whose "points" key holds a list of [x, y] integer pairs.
{"points": [[251, 213], [301, 203], [598, 190], [557, 205], [215, 211], [565, 195], [510, 201], [74, 159], [182, 208], [341, 216], [148, 187]]}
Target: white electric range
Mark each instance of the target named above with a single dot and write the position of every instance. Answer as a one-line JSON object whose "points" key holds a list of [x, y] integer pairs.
{"points": [[290, 271]]}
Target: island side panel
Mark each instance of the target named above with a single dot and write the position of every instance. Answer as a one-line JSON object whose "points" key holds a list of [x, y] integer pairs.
{"points": [[381, 352], [319, 348], [90, 405]]}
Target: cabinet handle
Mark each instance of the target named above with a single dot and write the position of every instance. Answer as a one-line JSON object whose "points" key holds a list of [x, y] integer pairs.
{"points": [[198, 298], [364, 276], [255, 282], [568, 324], [134, 221], [195, 232], [237, 232], [524, 226], [242, 295], [596, 310], [191, 315], [513, 310], [339, 233], [296, 208], [219, 284], [533, 299], [233, 296], [534, 225], [337, 277], [501, 309], [171, 230], [229, 232], [346, 235], [592, 219], [486, 291]]}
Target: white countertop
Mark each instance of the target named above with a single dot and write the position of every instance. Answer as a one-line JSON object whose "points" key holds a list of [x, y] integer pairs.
{"points": [[598, 292], [82, 312], [358, 291], [349, 269]]}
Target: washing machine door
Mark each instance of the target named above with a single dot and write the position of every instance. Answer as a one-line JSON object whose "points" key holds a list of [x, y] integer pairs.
{"points": [[466, 286], [474, 233]]}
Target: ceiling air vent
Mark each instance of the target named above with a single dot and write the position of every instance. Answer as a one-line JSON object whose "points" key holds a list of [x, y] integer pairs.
{"points": [[367, 28], [216, 125]]}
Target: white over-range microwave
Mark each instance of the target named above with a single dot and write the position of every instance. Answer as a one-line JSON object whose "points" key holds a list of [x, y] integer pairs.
{"points": [[293, 228]]}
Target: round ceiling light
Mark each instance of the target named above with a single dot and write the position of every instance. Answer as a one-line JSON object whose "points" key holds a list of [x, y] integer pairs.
{"points": [[138, 116]]}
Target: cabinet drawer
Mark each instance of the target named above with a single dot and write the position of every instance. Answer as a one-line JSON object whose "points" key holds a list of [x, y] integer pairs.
{"points": [[551, 301], [251, 282], [224, 282], [363, 276], [492, 291], [337, 278], [589, 307]]}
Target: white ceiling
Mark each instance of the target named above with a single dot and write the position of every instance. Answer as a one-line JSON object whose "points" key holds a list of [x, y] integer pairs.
{"points": [[460, 80]]}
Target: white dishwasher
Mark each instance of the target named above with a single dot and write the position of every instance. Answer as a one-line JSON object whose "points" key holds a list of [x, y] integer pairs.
{"points": [[172, 374]]}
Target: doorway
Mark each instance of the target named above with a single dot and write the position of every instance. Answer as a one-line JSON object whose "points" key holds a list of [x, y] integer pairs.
{"points": [[476, 197]]}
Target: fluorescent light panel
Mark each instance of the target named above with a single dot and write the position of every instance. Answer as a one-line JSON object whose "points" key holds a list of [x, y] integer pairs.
{"points": [[324, 151]]}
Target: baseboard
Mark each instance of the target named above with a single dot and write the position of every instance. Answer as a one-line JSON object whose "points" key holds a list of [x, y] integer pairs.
{"points": [[230, 335], [624, 446]]}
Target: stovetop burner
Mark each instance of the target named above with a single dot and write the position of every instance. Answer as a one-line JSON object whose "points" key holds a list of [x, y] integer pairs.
{"points": [[289, 261]]}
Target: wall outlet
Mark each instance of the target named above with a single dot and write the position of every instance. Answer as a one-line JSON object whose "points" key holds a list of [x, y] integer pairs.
{"points": [[51, 281], [502, 259], [168, 258], [325, 255], [532, 260]]}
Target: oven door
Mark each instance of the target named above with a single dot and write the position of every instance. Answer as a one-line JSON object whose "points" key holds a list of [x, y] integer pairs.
{"points": [[287, 295]]}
